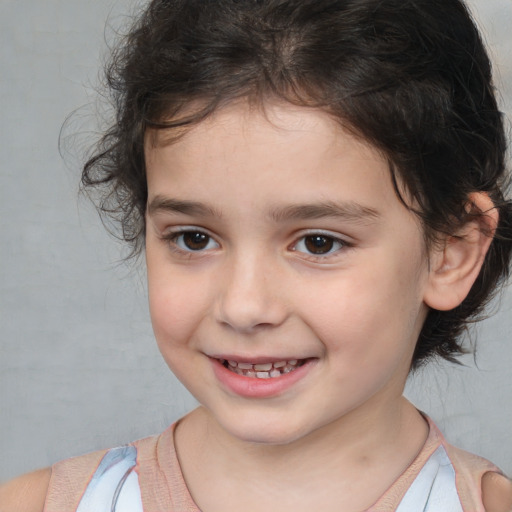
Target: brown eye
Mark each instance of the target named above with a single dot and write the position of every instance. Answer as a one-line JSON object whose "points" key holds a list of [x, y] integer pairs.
{"points": [[194, 241], [319, 244]]}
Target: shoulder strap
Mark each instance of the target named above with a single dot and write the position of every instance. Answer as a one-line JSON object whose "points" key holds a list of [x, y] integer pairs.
{"points": [[163, 487], [102, 481], [114, 486], [469, 470], [441, 479], [434, 489], [69, 480]]}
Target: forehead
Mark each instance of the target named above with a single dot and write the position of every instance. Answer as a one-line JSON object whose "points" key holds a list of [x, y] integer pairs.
{"points": [[248, 156], [247, 117]]}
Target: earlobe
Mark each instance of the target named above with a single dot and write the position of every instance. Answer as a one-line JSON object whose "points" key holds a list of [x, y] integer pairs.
{"points": [[457, 260]]}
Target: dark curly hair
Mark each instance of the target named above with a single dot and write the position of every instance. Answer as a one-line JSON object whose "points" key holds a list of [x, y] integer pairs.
{"points": [[412, 77]]}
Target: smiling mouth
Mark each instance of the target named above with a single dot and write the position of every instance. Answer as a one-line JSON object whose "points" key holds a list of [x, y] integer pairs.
{"points": [[263, 370]]}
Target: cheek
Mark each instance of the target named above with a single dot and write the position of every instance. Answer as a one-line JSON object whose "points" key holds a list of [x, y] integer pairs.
{"points": [[173, 313], [175, 316], [176, 303], [369, 315]]}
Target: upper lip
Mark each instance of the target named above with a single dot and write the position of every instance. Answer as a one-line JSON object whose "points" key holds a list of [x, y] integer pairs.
{"points": [[256, 359]]}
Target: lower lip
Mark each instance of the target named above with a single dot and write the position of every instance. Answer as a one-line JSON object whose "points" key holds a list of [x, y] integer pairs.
{"points": [[252, 387]]}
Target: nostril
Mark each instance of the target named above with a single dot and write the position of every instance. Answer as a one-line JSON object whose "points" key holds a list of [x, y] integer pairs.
{"points": [[250, 317]]}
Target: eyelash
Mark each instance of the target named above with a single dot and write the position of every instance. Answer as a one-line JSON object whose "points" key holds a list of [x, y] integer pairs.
{"points": [[176, 243], [336, 245], [173, 240]]}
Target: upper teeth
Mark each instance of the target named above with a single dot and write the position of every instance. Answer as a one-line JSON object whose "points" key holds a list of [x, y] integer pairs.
{"points": [[262, 370], [262, 367]]}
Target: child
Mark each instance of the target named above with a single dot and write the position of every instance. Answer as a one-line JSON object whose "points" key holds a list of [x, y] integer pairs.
{"points": [[319, 189]]}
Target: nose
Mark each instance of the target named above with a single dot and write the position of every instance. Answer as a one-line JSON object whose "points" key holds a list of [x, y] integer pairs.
{"points": [[250, 296]]}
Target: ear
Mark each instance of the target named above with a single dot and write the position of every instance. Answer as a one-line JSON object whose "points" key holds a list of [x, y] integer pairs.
{"points": [[456, 262]]}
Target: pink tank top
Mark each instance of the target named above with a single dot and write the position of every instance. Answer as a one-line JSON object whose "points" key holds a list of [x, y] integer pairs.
{"points": [[146, 477]]}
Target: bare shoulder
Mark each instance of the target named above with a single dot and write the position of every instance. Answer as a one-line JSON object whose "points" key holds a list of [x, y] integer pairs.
{"points": [[496, 493], [26, 493]]}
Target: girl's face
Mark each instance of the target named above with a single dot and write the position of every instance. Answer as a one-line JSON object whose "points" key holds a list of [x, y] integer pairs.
{"points": [[286, 279]]}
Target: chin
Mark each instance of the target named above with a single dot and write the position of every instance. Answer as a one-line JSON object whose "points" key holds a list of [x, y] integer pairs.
{"points": [[269, 432]]}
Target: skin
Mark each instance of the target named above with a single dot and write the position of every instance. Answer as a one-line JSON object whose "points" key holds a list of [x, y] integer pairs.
{"points": [[26, 493], [251, 289]]}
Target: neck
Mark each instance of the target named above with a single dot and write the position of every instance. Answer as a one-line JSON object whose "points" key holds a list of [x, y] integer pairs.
{"points": [[371, 445]]}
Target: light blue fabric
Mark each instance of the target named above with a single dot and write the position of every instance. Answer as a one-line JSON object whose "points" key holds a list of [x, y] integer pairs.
{"points": [[114, 486], [434, 489]]}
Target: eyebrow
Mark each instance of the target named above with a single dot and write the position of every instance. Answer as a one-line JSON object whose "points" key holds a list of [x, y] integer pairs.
{"points": [[170, 205], [349, 211]]}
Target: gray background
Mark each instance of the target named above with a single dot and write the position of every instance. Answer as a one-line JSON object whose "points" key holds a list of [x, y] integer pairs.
{"points": [[79, 369]]}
